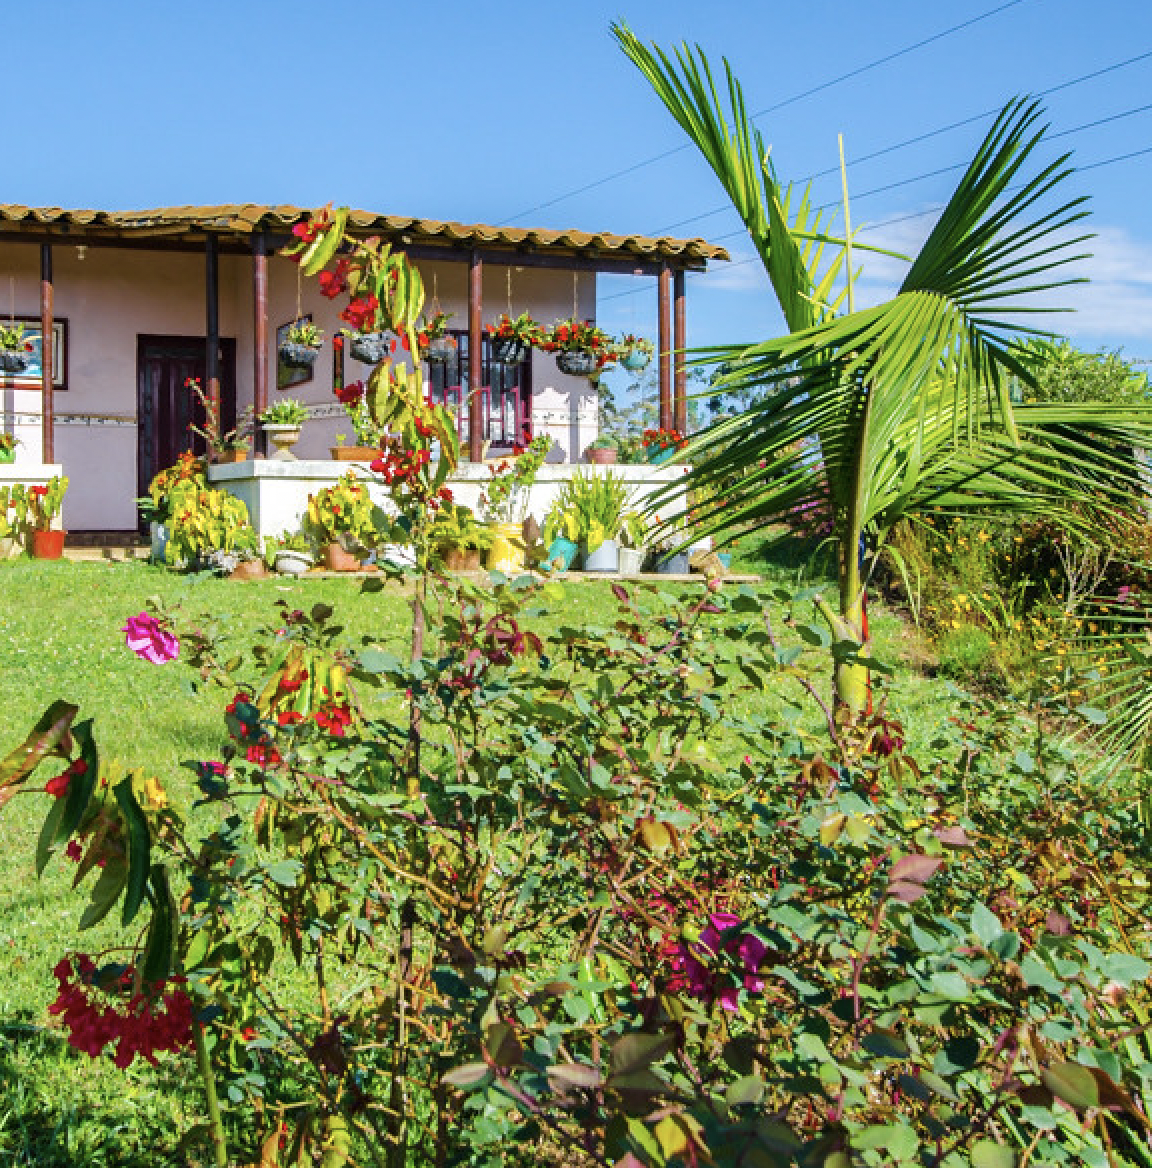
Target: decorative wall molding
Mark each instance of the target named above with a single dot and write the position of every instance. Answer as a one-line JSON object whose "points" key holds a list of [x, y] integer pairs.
{"points": [[22, 418]]}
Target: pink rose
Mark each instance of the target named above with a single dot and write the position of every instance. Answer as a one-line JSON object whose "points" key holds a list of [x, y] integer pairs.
{"points": [[147, 638]]}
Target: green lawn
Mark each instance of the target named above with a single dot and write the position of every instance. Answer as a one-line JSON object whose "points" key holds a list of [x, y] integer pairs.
{"points": [[60, 638]]}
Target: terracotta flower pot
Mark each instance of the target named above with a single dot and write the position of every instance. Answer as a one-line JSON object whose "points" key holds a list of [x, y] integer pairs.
{"points": [[232, 456], [336, 559], [353, 453], [601, 455], [249, 570], [457, 559], [47, 545]]}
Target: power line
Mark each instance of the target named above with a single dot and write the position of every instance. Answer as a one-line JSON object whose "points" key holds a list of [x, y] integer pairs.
{"points": [[933, 210], [770, 109], [918, 138]]}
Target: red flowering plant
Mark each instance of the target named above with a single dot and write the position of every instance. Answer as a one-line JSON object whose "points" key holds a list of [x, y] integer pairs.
{"points": [[12, 339], [45, 501], [580, 336], [519, 328], [434, 328]]}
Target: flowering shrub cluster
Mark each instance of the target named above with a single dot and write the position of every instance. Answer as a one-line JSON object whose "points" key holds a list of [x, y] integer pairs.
{"points": [[506, 492], [102, 1007], [580, 336]]}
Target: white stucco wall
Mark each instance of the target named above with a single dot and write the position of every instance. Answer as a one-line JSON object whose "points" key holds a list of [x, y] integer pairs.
{"points": [[112, 296]]}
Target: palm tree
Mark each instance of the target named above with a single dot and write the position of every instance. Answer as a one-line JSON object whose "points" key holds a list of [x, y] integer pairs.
{"points": [[905, 407]]}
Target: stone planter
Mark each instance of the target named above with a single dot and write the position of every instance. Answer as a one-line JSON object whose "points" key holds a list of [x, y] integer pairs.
{"points": [[369, 348], [290, 563], [578, 364], [606, 558], [298, 356], [631, 561], [284, 437], [508, 350], [14, 360], [353, 453], [601, 455], [47, 545]]}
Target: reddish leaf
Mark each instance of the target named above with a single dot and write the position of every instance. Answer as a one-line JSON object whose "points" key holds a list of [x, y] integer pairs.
{"points": [[916, 869], [953, 837], [573, 1076], [1057, 924], [906, 891], [621, 593]]}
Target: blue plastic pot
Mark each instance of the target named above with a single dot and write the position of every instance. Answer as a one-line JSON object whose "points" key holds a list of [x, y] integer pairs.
{"points": [[560, 554]]}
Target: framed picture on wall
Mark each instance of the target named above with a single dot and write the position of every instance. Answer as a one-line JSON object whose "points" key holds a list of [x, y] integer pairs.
{"points": [[289, 375], [31, 377]]}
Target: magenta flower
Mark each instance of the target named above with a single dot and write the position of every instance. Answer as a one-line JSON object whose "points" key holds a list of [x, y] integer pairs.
{"points": [[718, 937], [147, 638]]}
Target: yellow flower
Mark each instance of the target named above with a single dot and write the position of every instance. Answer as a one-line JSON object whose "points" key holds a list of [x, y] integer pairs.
{"points": [[983, 535], [154, 793]]}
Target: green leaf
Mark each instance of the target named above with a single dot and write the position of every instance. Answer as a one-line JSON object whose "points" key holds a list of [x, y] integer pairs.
{"points": [[81, 787], [157, 962], [896, 1140], [636, 1052], [138, 849], [48, 834], [1125, 968], [1073, 1083], [50, 735], [467, 1076], [985, 925], [105, 893], [284, 872], [989, 1154]]}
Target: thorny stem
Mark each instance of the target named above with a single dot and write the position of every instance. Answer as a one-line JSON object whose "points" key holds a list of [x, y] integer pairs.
{"points": [[215, 1122]]}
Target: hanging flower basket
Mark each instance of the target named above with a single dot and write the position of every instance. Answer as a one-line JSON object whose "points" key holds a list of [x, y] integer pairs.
{"points": [[636, 360], [297, 356], [14, 360], [577, 364], [509, 350], [440, 350], [370, 348]]}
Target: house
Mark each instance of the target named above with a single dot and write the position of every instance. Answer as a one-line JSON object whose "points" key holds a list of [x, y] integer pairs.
{"points": [[137, 302]]}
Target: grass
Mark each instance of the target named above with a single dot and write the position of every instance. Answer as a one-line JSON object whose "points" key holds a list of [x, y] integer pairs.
{"points": [[60, 638]]}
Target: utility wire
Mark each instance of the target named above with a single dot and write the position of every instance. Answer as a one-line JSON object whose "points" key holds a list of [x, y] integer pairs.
{"points": [[933, 210], [770, 109], [936, 133]]}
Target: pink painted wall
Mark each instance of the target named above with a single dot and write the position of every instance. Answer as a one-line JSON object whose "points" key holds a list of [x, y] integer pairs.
{"points": [[112, 296]]}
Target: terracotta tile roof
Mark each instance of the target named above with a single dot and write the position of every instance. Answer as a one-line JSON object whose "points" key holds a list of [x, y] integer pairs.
{"points": [[242, 219]]}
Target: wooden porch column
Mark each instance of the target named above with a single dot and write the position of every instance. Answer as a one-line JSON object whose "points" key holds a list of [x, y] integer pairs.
{"points": [[259, 335], [48, 413], [475, 356], [680, 342], [212, 321], [664, 337]]}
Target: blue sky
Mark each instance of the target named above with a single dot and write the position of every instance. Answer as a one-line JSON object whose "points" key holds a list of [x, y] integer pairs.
{"points": [[496, 112]]}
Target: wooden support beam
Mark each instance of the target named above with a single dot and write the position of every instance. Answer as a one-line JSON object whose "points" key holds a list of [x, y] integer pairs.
{"points": [[680, 343], [259, 336], [475, 356], [212, 321], [47, 411], [664, 317]]}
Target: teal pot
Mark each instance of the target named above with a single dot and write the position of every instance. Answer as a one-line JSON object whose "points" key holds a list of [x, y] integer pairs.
{"points": [[659, 454], [631, 561], [606, 558], [561, 552], [676, 565], [635, 360], [725, 559]]}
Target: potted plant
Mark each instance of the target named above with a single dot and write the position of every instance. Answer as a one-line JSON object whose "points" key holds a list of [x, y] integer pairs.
{"points": [[204, 520], [290, 555], [301, 344], [156, 507], [44, 505], [434, 341], [241, 561], [601, 450], [13, 520], [341, 519], [460, 538], [593, 511], [634, 353], [581, 348], [8, 444], [282, 422], [369, 437], [511, 339], [633, 544], [661, 445], [223, 445], [504, 502], [15, 350]]}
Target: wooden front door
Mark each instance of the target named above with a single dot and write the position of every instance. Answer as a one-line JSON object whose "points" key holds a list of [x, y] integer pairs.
{"points": [[166, 407]]}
